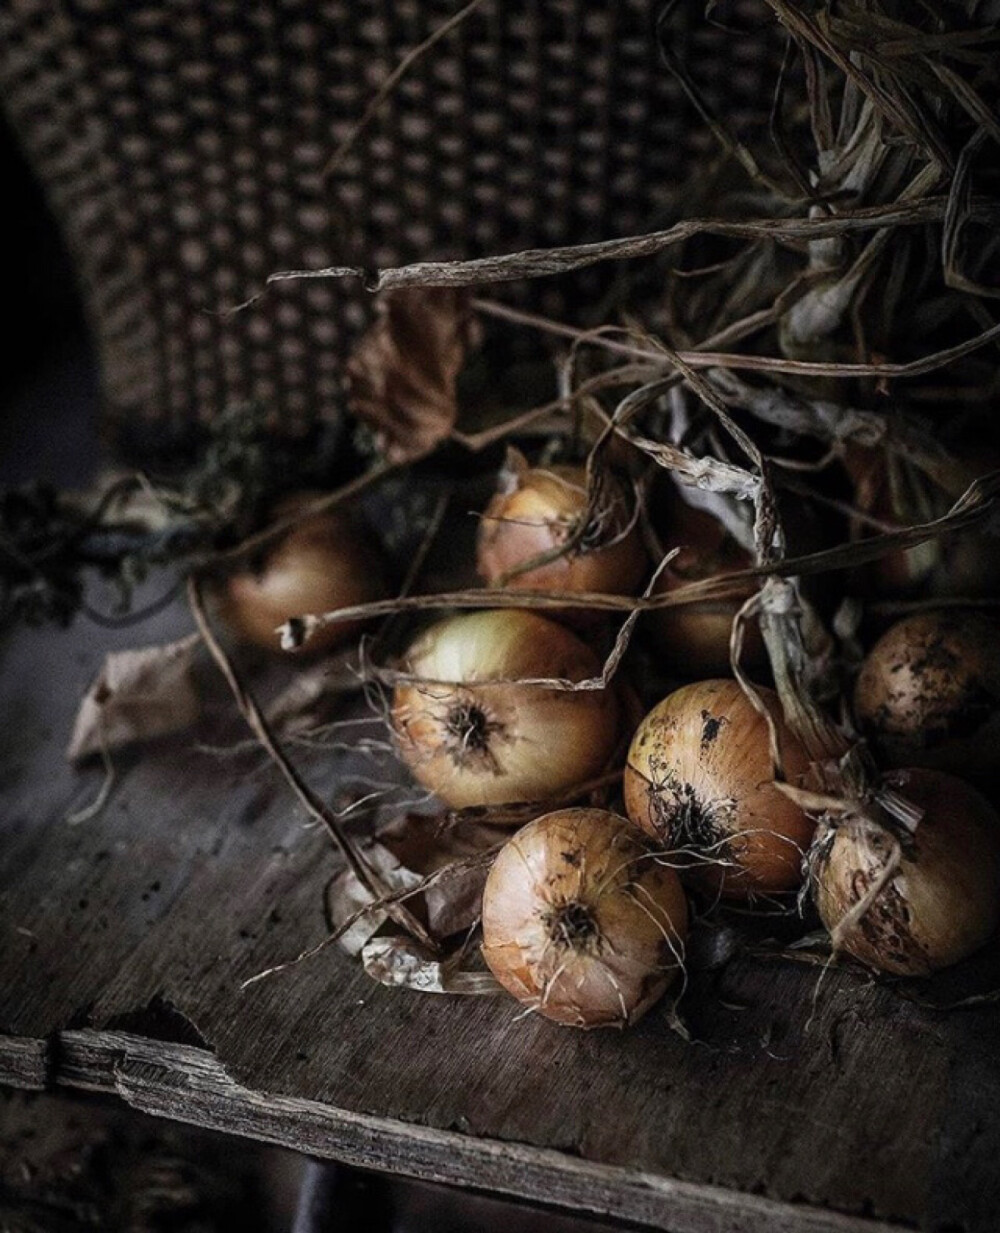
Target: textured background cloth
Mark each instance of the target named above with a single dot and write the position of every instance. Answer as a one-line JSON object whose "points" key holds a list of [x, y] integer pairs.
{"points": [[182, 147]]}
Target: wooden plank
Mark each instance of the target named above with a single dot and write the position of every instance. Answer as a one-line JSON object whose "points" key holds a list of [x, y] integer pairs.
{"points": [[24, 1063], [200, 871], [190, 1085]]}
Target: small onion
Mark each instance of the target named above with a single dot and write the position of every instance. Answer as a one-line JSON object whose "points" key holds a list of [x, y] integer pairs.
{"points": [[694, 638], [536, 512], [699, 779], [323, 563], [478, 736], [895, 490], [941, 903], [929, 693], [581, 921]]}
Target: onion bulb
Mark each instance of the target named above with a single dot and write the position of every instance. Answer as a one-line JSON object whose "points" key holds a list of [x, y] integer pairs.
{"points": [[943, 900], [475, 734], [896, 491], [929, 693], [536, 512], [581, 921], [323, 563], [694, 638], [699, 779]]}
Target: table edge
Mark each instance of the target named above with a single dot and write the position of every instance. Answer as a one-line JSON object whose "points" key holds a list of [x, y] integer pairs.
{"points": [[190, 1085]]}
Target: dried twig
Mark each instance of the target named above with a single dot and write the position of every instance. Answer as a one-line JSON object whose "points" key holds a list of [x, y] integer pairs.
{"points": [[315, 807]]}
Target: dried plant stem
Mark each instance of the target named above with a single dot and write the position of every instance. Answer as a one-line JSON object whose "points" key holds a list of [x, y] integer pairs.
{"points": [[976, 504], [416, 566], [322, 505], [540, 262], [390, 83], [87, 812], [699, 358], [316, 808]]}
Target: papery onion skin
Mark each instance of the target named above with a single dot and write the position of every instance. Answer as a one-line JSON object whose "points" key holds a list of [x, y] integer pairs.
{"points": [[928, 694], [539, 514], [942, 903], [476, 743], [699, 778], [694, 638], [582, 922], [323, 563]]}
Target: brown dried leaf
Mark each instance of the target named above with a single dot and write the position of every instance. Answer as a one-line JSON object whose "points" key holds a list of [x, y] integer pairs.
{"points": [[453, 901], [346, 896], [402, 374], [408, 851], [137, 695]]}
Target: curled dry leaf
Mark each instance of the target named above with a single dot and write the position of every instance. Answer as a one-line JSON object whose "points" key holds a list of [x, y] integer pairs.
{"points": [[346, 896], [406, 853], [402, 374], [449, 865], [137, 695], [402, 962]]}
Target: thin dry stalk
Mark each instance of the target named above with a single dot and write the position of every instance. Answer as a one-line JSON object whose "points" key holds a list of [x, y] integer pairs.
{"points": [[316, 808]]}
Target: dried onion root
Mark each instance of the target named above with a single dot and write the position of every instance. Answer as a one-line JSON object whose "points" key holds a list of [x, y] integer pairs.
{"points": [[475, 733], [582, 921], [699, 779], [941, 902]]}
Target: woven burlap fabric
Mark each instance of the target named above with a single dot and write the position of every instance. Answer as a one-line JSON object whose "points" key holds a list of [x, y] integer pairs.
{"points": [[182, 144]]}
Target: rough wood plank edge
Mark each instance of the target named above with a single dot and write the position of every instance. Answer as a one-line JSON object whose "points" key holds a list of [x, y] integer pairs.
{"points": [[24, 1062], [187, 1084]]}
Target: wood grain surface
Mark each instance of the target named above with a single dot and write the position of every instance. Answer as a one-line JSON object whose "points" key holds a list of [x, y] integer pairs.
{"points": [[124, 940]]}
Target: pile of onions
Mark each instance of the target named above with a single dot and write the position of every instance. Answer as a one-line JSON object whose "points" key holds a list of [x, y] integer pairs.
{"points": [[699, 779], [538, 512], [940, 904], [323, 563], [928, 693], [581, 921], [476, 732], [694, 638]]}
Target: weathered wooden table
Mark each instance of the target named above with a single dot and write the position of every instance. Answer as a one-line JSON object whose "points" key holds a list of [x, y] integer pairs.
{"points": [[124, 939]]}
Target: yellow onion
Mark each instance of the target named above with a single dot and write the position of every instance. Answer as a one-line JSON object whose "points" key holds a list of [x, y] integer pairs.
{"points": [[694, 638], [943, 900], [896, 491], [582, 922], [479, 736], [324, 562], [699, 779], [537, 510], [928, 693]]}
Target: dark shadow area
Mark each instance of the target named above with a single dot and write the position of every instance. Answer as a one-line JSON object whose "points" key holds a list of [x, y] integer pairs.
{"points": [[48, 372]]}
